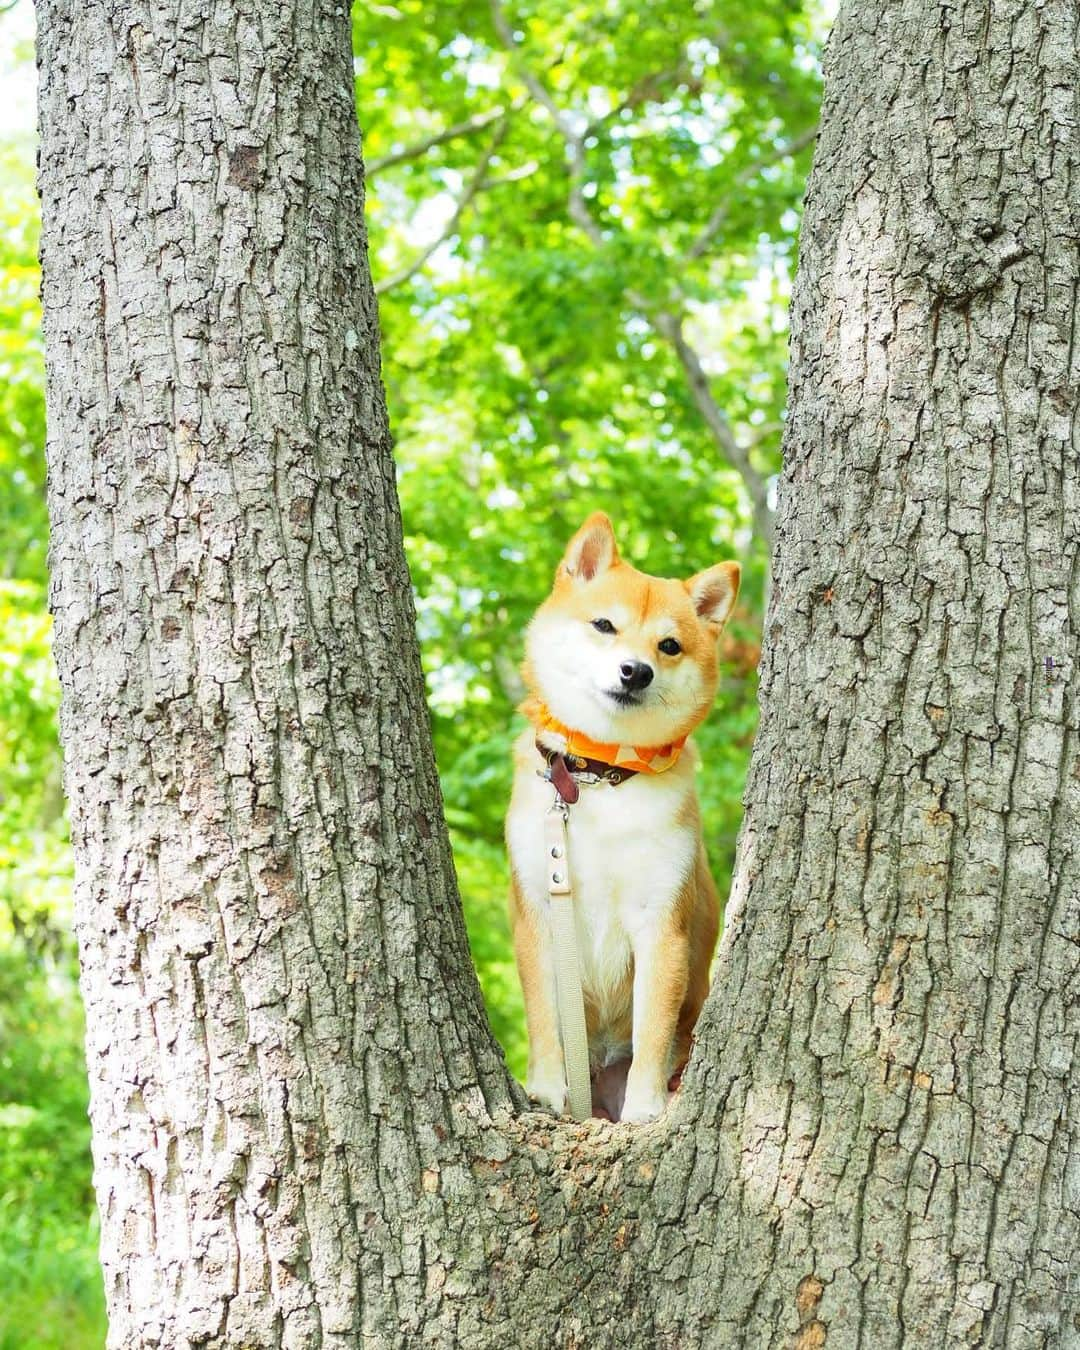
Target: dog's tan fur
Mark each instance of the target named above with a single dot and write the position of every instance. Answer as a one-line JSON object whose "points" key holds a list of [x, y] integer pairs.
{"points": [[646, 908]]}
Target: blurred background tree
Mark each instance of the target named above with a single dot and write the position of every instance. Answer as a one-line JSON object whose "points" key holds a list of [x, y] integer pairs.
{"points": [[583, 225]]}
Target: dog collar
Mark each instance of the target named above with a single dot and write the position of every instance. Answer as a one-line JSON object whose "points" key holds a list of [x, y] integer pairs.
{"points": [[609, 762], [565, 772]]}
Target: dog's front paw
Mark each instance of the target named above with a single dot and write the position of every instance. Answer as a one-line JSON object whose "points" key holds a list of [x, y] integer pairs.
{"points": [[642, 1104], [549, 1090]]}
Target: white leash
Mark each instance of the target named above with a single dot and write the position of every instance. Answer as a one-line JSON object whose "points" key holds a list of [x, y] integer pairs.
{"points": [[570, 1002]]}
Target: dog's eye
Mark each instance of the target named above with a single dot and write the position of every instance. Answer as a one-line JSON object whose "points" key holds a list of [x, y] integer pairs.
{"points": [[670, 647], [603, 625]]}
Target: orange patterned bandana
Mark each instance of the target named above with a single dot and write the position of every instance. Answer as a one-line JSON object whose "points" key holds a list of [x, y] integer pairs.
{"points": [[640, 758]]}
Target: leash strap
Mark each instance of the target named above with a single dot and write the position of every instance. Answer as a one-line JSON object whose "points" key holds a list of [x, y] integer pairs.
{"points": [[570, 1001]]}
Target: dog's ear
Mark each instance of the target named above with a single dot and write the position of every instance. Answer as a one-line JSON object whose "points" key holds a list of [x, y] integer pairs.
{"points": [[591, 551], [713, 593]]}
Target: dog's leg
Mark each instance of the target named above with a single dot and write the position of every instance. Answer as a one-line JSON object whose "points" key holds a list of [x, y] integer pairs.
{"points": [[704, 926], [661, 973], [546, 1081]]}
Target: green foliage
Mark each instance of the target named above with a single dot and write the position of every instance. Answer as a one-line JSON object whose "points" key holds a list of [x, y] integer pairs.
{"points": [[22, 379], [51, 1283], [484, 878], [35, 863], [49, 1274]]}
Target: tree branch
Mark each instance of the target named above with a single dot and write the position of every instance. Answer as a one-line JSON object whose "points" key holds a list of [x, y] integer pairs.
{"points": [[714, 224], [472, 187], [574, 141], [644, 90], [517, 175], [670, 327], [532, 83], [420, 148]]}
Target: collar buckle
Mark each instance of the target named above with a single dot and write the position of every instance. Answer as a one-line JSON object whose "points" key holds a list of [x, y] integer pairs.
{"points": [[569, 773]]}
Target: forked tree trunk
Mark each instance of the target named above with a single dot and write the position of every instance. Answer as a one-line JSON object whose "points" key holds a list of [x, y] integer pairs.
{"points": [[303, 1134]]}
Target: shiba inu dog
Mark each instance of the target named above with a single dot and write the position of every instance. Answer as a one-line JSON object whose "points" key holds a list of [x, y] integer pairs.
{"points": [[620, 668]]}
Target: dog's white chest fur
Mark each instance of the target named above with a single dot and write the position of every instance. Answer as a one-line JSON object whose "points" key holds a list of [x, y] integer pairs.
{"points": [[631, 848]]}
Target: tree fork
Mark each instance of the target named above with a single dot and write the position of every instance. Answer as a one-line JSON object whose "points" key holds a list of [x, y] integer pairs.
{"points": [[303, 1132]]}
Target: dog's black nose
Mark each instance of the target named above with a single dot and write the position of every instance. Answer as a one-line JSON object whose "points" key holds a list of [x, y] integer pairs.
{"points": [[635, 674]]}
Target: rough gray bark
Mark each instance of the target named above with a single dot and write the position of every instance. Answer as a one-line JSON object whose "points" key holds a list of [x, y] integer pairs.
{"points": [[303, 1134], [282, 1018], [898, 1012]]}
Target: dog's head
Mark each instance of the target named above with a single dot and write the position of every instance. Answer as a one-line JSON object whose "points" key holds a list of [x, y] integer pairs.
{"points": [[625, 657]]}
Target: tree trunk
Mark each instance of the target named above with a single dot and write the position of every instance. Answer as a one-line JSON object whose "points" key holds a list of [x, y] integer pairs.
{"points": [[303, 1133], [283, 1024]]}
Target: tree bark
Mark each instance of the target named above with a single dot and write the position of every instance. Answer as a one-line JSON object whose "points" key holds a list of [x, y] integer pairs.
{"points": [[303, 1133], [282, 1017]]}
